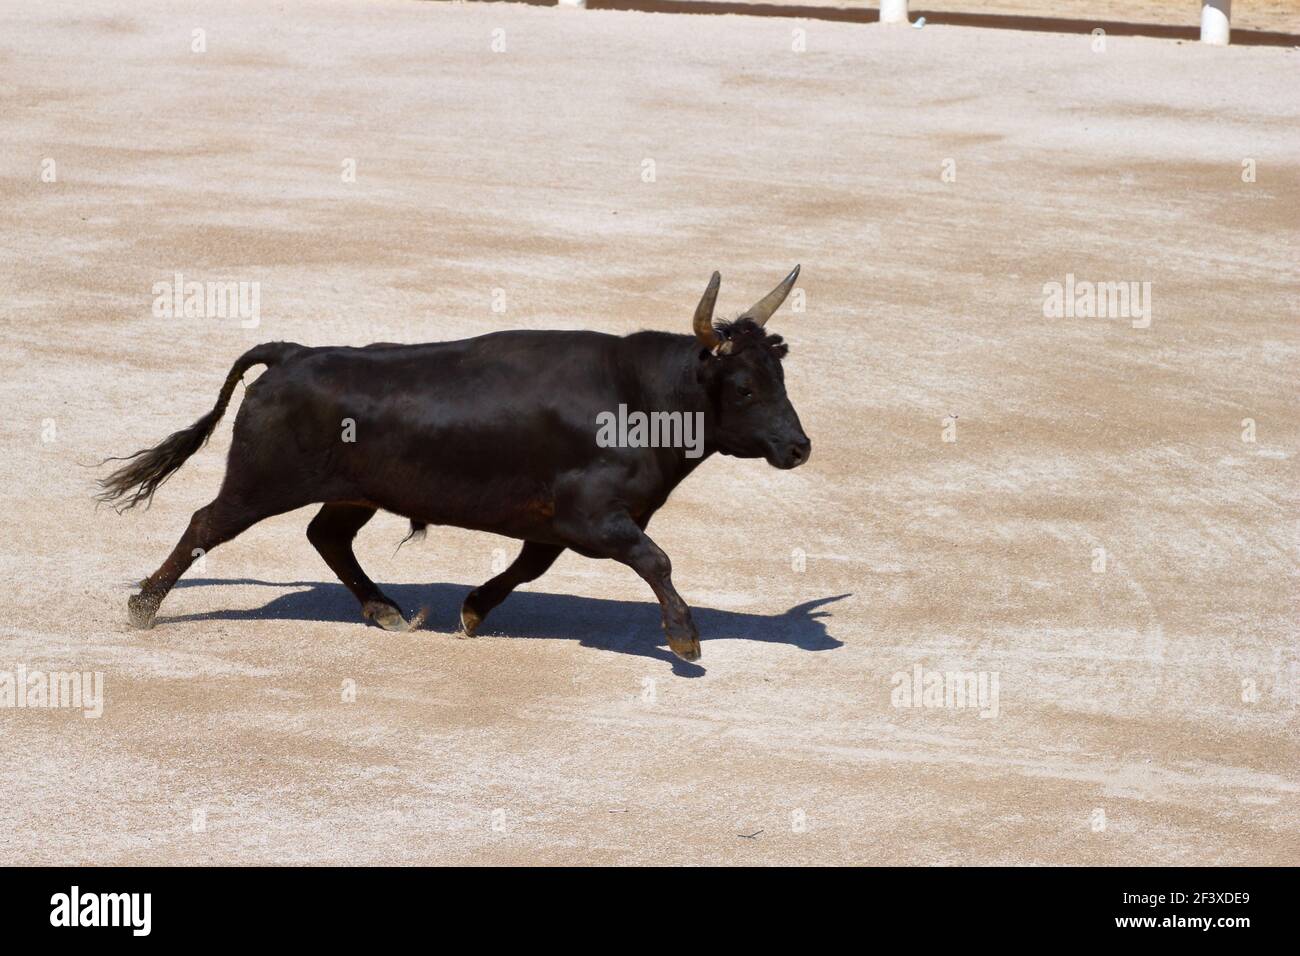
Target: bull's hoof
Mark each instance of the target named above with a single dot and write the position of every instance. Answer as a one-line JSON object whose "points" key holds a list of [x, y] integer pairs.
{"points": [[141, 610], [390, 618], [687, 648], [470, 619]]}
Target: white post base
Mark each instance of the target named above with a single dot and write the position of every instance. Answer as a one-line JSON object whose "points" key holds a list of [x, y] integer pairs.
{"points": [[572, 3], [893, 11], [1214, 21]]}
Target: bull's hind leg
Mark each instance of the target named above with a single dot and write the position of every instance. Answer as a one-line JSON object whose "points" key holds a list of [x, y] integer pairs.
{"points": [[225, 518], [531, 564], [331, 532]]}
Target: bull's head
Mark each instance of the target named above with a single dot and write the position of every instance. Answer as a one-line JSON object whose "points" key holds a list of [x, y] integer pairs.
{"points": [[740, 368]]}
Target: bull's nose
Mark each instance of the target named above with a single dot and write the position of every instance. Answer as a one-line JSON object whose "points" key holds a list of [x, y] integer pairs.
{"points": [[799, 452]]}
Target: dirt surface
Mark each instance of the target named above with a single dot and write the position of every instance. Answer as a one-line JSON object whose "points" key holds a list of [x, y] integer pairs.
{"points": [[1146, 713]]}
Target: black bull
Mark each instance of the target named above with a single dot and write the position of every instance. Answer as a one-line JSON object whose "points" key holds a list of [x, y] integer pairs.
{"points": [[496, 433]]}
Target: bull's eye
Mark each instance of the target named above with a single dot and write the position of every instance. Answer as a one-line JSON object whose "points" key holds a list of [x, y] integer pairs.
{"points": [[744, 392]]}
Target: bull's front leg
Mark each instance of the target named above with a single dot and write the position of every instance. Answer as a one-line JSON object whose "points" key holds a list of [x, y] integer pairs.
{"points": [[619, 537]]}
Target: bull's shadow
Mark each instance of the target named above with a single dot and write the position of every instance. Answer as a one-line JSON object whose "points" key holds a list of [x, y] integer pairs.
{"points": [[625, 627]]}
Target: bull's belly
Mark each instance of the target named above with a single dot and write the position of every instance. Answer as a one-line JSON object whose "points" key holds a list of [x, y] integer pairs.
{"points": [[512, 506], [527, 483]]}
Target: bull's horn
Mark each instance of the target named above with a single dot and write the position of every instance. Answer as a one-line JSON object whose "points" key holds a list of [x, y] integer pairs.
{"points": [[762, 310], [704, 314]]}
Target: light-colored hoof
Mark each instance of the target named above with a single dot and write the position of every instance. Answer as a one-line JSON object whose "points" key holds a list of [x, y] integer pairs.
{"points": [[390, 618], [687, 649], [141, 611], [469, 620]]}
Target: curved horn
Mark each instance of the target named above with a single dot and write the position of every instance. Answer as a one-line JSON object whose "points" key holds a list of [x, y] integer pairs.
{"points": [[762, 310], [704, 314]]}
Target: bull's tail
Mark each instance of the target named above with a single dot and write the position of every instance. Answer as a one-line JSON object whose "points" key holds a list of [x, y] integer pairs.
{"points": [[139, 478]]}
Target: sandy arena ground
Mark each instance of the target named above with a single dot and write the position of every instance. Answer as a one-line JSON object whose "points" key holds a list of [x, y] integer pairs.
{"points": [[1146, 714]]}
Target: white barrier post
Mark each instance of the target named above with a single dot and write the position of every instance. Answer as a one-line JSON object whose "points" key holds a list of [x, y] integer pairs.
{"points": [[1214, 21], [572, 3], [893, 11]]}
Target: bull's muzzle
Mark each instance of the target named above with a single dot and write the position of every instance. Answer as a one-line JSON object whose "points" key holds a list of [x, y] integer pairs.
{"points": [[791, 454]]}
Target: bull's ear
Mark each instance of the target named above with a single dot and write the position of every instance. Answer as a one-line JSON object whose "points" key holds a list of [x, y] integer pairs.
{"points": [[762, 310], [704, 314]]}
